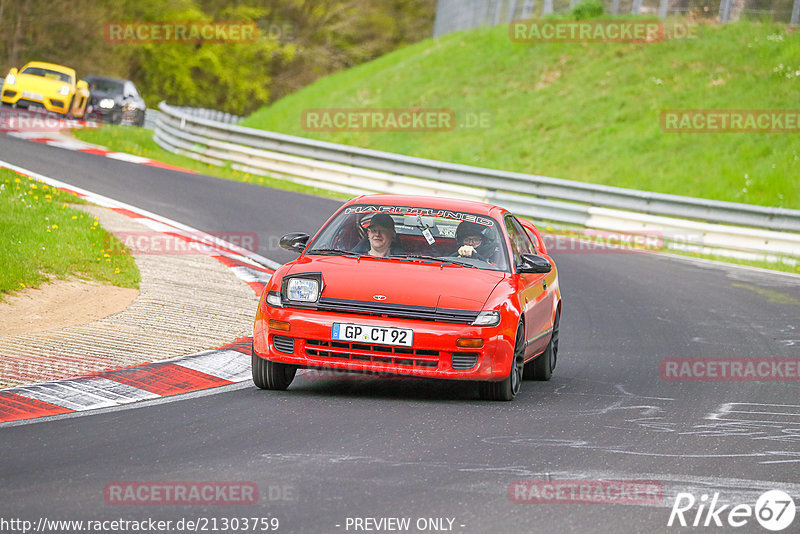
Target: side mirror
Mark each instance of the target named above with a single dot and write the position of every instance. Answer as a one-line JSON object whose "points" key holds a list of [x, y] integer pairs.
{"points": [[296, 241], [82, 85], [13, 71], [532, 263]]}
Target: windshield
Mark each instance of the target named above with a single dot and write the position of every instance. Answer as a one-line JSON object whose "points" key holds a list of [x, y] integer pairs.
{"points": [[418, 233], [104, 86], [49, 74]]}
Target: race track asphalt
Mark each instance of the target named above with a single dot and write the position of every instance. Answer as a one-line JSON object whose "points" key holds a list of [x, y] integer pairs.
{"points": [[331, 449]]}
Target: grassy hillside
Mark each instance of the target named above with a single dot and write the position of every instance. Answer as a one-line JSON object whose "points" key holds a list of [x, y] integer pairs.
{"points": [[587, 112], [42, 238]]}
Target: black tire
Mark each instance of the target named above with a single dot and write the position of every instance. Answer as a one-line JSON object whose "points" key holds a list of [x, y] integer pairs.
{"points": [[506, 390], [542, 367], [271, 375]]}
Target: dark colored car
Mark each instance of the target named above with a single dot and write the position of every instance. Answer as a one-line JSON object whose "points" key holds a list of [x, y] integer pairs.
{"points": [[115, 101]]}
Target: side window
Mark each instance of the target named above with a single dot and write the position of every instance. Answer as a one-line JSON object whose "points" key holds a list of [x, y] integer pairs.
{"points": [[520, 242], [533, 239]]}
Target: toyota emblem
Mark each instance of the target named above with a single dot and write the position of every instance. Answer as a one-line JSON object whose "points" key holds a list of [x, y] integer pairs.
{"points": [[379, 297]]}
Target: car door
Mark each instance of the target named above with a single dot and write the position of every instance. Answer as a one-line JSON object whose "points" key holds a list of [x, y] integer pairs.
{"points": [[532, 290]]}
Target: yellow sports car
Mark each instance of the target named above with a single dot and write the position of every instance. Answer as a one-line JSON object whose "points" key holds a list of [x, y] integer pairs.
{"points": [[54, 88]]}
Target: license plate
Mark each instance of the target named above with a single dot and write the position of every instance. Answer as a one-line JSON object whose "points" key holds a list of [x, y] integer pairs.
{"points": [[380, 335], [32, 96]]}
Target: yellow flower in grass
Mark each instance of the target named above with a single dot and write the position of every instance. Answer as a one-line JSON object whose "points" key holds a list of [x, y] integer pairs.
{"points": [[47, 196], [21, 284], [16, 180], [55, 226], [74, 217], [116, 271]]}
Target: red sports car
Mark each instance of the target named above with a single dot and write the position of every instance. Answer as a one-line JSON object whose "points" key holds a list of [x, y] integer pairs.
{"points": [[418, 286]]}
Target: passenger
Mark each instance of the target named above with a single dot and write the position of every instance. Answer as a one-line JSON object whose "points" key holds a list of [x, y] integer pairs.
{"points": [[472, 243]]}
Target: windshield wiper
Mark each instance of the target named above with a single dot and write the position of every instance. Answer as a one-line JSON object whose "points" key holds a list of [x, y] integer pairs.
{"points": [[333, 252], [440, 260]]}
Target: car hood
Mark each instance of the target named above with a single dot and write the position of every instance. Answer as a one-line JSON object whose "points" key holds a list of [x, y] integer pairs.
{"points": [[401, 282], [38, 84], [106, 94]]}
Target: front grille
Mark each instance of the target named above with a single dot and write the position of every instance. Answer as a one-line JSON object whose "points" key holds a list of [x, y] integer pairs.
{"points": [[24, 102], [362, 352], [384, 309], [283, 344], [9, 93], [465, 360]]}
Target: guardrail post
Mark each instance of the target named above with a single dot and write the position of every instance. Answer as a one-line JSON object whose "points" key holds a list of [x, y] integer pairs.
{"points": [[615, 7], [663, 5], [547, 8], [636, 7], [724, 11], [529, 5], [795, 13]]}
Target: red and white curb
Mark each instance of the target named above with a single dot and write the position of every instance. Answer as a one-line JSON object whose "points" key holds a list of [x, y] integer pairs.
{"points": [[62, 141], [227, 365]]}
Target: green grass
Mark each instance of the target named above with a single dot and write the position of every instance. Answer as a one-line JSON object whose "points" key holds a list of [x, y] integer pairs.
{"points": [[42, 238], [586, 112], [139, 142]]}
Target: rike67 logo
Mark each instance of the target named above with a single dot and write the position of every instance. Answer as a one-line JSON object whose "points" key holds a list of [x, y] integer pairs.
{"points": [[774, 510]]}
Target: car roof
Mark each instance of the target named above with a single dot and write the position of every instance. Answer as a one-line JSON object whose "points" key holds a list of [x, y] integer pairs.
{"points": [[471, 206], [50, 66], [105, 78]]}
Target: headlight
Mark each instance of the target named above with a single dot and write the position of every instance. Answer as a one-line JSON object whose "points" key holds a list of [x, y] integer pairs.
{"points": [[302, 290], [107, 103], [64, 90], [487, 318], [274, 299], [11, 79]]}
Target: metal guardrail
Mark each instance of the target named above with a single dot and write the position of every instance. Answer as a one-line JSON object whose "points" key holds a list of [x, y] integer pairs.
{"points": [[151, 116], [355, 170]]}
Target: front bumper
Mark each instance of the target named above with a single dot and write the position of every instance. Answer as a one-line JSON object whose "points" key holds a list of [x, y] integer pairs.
{"points": [[434, 353], [55, 104]]}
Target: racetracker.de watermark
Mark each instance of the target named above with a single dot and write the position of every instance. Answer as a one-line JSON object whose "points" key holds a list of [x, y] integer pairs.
{"points": [[730, 369], [394, 120], [730, 121], [599, 31], [22, 121], [180, 32], [161, 243], [602, 242], [586, 492], [180, 493]]}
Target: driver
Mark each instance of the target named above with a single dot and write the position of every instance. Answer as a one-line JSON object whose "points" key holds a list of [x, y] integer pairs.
{"points": [[472, 243], [382, 236]]}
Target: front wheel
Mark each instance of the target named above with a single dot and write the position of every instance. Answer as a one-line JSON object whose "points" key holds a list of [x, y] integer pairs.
{"points": [[271, 375], [507, 389]]}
